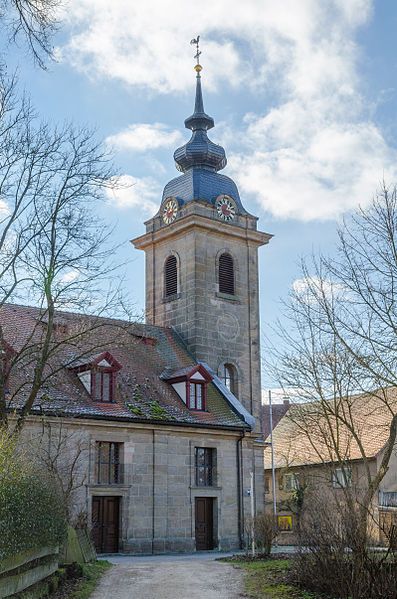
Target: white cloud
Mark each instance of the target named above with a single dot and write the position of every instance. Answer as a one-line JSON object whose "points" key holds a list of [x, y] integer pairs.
{"points": [[311, 287], [142, 43], [141, 137], [131, 191], [308, 160], [316, 153], [145, 44], [4, 209], [70, 276]]}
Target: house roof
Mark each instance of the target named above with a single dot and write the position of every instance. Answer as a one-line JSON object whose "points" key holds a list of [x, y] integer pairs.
{"points": [[278, 411], [143, 351], [368, 415]]}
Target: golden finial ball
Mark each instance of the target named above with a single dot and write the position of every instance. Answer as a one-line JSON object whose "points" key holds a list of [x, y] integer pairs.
{"points": [[198, 68]]}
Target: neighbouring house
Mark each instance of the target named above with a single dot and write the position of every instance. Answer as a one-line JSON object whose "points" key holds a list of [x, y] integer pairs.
{"points": [[307, 463], [168, 412]]}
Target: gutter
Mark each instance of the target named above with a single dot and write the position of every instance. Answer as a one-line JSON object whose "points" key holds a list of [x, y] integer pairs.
{"points": [[177, 423], [231, 399]]}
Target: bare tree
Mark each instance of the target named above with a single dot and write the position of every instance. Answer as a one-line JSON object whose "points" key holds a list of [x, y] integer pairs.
{"points": [[62, 454], [339, 352], [34, 22], [55, 251]]}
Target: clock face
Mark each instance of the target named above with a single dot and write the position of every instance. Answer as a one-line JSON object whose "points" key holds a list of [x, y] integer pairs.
{"points": [[170, 210], [226, 208]]}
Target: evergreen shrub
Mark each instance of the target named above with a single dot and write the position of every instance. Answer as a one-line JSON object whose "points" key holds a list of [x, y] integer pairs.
{"points": [[31, 511]]}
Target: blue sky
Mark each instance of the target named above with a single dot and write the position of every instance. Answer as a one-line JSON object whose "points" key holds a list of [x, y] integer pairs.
{"points": [[303, 96]]}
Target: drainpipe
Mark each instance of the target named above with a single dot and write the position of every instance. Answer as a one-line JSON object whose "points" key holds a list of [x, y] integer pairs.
{"points": [[153, 485], [240, 501], [272, 455]]}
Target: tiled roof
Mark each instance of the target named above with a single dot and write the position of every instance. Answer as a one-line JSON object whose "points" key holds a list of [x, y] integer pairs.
{"points": [[278, 411], [368, 414], [141, 395]]}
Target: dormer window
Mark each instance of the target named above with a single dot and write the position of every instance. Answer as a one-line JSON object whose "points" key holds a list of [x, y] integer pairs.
{"points": [[191, 385], [102, 385], [196, 396], [98, 376]]}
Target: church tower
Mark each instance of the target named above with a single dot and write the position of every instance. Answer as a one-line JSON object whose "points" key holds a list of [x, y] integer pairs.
{"points": [[202, 263]]}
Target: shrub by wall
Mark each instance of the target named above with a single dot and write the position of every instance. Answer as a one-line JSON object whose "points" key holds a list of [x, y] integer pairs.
{"points": [[31, 510]]}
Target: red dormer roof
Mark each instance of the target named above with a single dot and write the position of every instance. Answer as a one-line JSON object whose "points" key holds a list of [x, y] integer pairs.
{"points": [[92, 361], [186, 373]]}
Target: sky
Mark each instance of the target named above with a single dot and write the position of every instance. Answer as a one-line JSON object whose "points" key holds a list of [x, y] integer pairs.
{"points": [[303, 96]]}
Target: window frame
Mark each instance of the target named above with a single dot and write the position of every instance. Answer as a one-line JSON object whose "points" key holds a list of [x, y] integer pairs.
{"points": [[174, 294], [232, 280], [293, 485], [345, 480], [232, 378], [203, 398], [101, 372], [208, 468], [113, 463]]}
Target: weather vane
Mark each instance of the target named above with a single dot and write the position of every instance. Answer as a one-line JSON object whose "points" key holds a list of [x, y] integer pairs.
{"points": [[196, 42]]}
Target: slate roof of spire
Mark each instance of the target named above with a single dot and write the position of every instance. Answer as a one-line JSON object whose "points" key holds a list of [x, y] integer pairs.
{"points": [[199, 150], [200, 159]]}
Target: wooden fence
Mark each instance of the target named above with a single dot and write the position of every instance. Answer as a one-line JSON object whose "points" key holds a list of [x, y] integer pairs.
{"points": [[21, 571]]}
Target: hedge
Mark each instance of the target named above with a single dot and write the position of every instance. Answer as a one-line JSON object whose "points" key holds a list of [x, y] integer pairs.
{"points": [[31, 510]]}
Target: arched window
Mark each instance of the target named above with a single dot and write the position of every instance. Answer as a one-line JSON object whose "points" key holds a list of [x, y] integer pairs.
{"points": [[228, 375], [171, 276], [226, 274]]}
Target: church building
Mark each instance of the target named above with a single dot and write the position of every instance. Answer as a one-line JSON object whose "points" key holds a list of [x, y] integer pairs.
{"points": [[169, 411]]}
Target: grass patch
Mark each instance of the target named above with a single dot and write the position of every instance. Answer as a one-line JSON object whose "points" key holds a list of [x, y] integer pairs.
{"points": [[92, 573], [268, 579]]}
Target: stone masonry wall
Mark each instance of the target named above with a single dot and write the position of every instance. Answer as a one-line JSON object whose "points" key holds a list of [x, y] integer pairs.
{"points": [[217, 328], [158, 491]]}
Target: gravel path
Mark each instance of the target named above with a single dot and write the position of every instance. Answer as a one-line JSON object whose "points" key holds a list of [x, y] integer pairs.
{"points": [[170, 578]]}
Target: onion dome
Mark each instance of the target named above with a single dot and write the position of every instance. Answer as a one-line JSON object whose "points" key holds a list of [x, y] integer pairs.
{"points": [[200, 160], [199, 151]]}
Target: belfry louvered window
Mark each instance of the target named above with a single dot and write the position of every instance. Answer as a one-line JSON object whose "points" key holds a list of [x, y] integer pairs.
{"points": [[226, 274], [171, 277]]}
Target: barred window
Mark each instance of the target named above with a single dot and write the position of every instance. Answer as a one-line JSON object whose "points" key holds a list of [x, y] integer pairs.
{"points": [[108, 466], [226, 274], [171, 276], [205, 466]]}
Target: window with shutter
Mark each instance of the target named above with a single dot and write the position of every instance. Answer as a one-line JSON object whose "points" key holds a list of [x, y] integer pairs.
{"points": [[171, 277], [226, 274]]}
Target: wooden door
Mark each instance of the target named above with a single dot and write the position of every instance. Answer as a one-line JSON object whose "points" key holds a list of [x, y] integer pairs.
{"points": [[106, 523], [204, 523]]}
